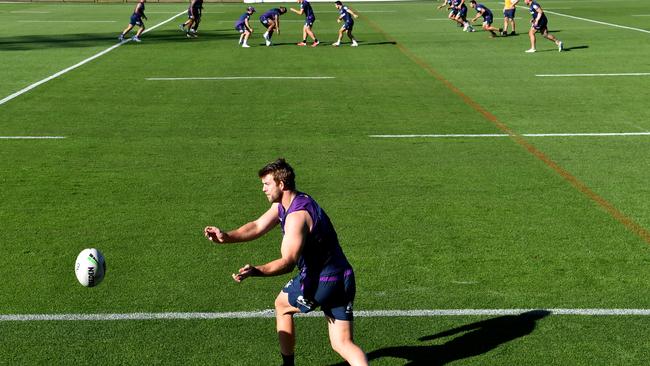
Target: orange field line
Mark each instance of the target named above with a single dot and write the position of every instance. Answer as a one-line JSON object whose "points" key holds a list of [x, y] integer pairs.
{"points": [[521, 141]]}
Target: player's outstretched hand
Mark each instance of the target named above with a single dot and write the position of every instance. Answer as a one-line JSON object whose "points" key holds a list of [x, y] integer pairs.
{"points": [[245, 272], [214, 234]]}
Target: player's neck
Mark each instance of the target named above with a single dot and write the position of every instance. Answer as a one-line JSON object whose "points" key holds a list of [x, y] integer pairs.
{"points": [[287, 198]]}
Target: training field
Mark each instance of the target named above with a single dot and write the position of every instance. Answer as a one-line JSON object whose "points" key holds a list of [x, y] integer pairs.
{"points": [[495, 204]]}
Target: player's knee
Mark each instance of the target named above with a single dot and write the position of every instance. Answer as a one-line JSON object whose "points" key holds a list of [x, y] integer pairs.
{"points": [[341, 345], [281, 303]]}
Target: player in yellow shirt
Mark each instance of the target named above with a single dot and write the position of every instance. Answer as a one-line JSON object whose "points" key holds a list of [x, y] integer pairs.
{"points": [[509, 16]]}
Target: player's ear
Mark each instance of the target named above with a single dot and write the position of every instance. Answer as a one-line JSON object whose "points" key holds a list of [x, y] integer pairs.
{"points": [[281, 185]]}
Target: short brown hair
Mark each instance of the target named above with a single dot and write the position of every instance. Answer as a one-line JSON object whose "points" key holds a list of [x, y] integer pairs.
{"points": [[281, 172]]}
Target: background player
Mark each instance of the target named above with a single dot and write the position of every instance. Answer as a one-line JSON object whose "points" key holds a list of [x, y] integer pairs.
{"points": [[271, 21], [309, 241], [347, 16], [136, 19], [193, 18], [461, 15], [509, 9], [310, 18], [488, 17], [540, 24], [243, 26]]}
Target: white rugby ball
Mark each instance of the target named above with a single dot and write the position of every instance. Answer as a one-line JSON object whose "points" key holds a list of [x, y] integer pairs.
{"points": [[90, 267]]}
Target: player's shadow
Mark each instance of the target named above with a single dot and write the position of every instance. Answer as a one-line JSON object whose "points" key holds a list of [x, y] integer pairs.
{"points": [[474, 339], [565, 49], [30, 42]]}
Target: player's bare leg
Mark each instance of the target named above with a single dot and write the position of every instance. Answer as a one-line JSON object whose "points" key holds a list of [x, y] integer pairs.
{"points": [[284, 324], [340, 332]]}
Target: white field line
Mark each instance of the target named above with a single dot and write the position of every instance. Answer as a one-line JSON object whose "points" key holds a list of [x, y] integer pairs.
{"points": [[585, 75], [244, 78], [100, 54], [599, 22], [29, 12], [641, 15], [364, 314], [31, 137], [523, 134]]}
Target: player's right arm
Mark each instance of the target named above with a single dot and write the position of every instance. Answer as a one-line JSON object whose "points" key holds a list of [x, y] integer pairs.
{"points": [[351, 12], [277, 23], [247, 232], [478, 14]]}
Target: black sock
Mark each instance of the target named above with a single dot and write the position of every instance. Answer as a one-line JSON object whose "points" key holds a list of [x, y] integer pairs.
{"points": [[287, 360]]}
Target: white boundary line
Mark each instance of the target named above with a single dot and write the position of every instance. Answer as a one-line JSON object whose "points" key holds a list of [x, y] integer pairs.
{"points": [[581, 75], [363, 314], [102, 53], [243, 78], [523, 134], [31, 137], [598, 22]]}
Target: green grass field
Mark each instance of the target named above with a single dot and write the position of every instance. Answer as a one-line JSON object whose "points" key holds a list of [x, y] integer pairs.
{"points": [[511, 222]]}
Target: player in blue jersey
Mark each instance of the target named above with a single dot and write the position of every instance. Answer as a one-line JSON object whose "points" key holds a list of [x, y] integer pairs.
{"points": [[310, 18], [540, 24], [325, 278], [461, 15], [136, 19], [243, 27], [450, 7], [488, 17], [193, 19], [271, 21], [346, 15]]}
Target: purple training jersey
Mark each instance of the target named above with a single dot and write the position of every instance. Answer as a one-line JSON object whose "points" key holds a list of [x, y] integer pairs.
{"points": [[321, 254]]}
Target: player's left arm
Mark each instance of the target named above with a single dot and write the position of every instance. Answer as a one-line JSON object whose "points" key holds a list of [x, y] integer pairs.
{"points": [[296, 228], [299, 12], [351, 13]]}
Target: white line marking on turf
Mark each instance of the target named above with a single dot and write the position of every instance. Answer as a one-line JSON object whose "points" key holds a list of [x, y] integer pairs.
{"points": [[28, 12], [599, 22], [523, 134], [243, 78], [102, 53], [579, 75], [31, 137], [363, 313], [641, 15]]}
